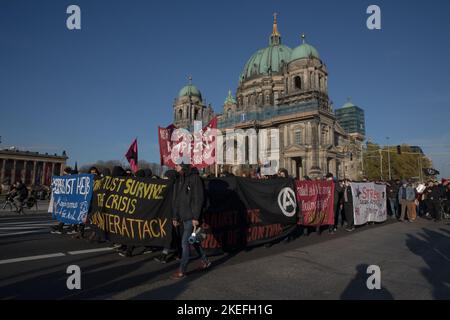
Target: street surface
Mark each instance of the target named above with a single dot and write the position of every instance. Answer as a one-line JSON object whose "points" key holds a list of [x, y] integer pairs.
{"points": [[414, 259]]}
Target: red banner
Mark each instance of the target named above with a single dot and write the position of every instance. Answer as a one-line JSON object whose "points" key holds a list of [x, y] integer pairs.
{"points": [[202, 145], [165, 145], [316, 201], [203, 150]]}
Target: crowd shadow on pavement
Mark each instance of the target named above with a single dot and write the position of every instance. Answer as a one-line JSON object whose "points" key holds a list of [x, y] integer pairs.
{"points": [[357, 288], [176, 287], [434, 248], [104, 280]]}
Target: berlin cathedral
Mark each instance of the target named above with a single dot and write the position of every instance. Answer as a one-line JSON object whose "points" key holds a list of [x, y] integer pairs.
{"points": [[286, 89]]}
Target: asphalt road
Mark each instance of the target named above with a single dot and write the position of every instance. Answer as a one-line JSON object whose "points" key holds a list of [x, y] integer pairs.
{"points": [[414, 259]]}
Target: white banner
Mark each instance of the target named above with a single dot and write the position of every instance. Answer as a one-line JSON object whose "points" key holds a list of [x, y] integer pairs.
{"points": [[369, 202]]}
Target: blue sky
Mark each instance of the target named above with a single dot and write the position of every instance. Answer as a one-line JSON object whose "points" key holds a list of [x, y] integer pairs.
{"points": [[91, 92]]}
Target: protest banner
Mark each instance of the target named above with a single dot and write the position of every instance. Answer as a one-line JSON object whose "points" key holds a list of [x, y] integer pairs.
{"points": [[369, 202], [180, 145], [71, 197], [133, 211], [165, 145], [316, 200], [243, 212]]}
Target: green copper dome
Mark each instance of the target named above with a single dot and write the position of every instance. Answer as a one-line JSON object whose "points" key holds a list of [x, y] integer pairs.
{"points": [[268, 60], [348, 105], [304, 51], [190, 90]]}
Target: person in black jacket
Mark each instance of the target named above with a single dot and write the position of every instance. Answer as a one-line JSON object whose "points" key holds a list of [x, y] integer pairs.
{"points": [[21, 195], [173, 251], [337, 205], [446, 195], [347, 199], [435, 194], [187, 206]]}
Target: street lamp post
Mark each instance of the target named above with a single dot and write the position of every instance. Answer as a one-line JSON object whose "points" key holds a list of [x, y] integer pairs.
{"points": [[389, 158], [381, 164]]}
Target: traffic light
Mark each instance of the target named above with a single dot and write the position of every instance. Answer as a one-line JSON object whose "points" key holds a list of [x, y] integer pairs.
{"points": [[399, 150]]}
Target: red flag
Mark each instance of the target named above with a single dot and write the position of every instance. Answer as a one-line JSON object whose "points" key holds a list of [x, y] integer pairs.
{"points": [[204, 150], [132, 156], [165, 145]]}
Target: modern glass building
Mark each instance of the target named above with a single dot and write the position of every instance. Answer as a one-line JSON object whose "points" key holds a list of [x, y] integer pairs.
{"points": [[351, 118]]}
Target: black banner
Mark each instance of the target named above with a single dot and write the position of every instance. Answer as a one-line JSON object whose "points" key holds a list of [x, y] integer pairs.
{"points": [[242, 212], [132, 211]]}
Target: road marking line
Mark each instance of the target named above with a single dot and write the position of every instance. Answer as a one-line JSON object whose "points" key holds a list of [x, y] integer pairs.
{"points": [[43, 256], [53, 255], [89, 251], [25, 232], [40, 226], [31, 223]]}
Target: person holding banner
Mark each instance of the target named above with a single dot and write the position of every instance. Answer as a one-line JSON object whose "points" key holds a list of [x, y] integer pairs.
{"points": [[392, 193], [337, 206], [59, 228], [187, 206], [348, 205], [174, 250]]}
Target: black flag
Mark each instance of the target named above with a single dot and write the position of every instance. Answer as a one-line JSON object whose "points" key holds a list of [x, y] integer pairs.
{"points": [[430, 172]]}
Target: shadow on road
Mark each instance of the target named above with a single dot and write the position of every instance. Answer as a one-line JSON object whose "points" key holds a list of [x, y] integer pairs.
{"points": [[357, 288], [434, 248], [176, 287]]}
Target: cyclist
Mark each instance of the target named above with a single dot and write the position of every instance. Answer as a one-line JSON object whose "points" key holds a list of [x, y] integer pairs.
{"points": [[21, 195]]}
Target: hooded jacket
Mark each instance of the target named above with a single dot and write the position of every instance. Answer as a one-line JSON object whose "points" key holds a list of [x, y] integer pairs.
{"points": [[188, 195]]}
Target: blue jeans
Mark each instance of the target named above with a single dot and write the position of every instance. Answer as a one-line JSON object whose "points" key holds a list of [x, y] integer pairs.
{"points": [[188, 228], [394, 207]]}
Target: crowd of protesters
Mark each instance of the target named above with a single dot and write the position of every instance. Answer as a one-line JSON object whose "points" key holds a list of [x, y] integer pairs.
{"points": [[405, 200]]}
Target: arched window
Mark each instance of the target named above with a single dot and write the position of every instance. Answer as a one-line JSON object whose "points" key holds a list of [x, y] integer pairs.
{"points": [[196, 114], [298, 82], [229, 113], [180, 114]]}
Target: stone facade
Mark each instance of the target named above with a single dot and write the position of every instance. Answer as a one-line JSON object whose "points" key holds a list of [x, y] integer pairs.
{"points": [[32, 168], [288, 90]]}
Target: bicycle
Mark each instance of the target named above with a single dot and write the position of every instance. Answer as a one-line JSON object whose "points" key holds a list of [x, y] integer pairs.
{"points": [[9, 202], [28, 203]]}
